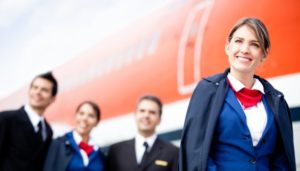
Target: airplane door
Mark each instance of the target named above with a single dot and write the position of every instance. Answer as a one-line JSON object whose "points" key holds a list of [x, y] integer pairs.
{"points": [[190, 44]]}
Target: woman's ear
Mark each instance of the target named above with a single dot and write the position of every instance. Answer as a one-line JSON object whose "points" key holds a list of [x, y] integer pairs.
{"points": [[267, 52], [226, 48]]}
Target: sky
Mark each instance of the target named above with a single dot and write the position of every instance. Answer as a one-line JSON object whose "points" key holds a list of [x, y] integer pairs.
{"points": [[38, 35]]}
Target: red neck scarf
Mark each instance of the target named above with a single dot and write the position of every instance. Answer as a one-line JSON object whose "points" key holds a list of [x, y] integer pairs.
{"points": [[85, 147], [247, 97]]}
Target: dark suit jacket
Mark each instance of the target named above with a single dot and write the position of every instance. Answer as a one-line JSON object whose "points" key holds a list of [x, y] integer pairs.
{"points": [[162, 157], [21, 148]]}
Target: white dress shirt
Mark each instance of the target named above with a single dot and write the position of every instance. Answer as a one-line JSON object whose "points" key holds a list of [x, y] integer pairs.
{"points": [[139, 145], [256, 116], [35, 119], [91, 142]]}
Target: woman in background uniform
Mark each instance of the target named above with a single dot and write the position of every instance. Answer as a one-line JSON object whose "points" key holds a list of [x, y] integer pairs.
{"points": [[76, 151]]}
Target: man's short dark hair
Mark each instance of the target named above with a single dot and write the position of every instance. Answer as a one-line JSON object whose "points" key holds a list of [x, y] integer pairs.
{"points": [[49, 76], [153, 98]]}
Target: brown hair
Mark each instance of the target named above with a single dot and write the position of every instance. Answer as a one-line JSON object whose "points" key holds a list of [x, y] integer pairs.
{"points": [[258, 27], [95, 107]]}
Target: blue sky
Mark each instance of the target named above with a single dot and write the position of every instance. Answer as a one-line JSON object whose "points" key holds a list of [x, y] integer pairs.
{"points": [[38, 35]]}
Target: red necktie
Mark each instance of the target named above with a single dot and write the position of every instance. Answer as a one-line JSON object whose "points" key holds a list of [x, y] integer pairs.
{"points": [[247, 97], [87, 148]]}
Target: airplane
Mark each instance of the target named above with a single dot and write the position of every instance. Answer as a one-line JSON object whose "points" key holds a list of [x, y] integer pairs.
{"points": [[166, 53]]}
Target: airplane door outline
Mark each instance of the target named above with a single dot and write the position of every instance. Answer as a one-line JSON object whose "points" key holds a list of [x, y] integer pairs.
{"points": [[203, 9]]}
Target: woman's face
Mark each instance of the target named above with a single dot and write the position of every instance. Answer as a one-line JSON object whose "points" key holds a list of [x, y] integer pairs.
{"points": [[86, 119], [244, 51]]}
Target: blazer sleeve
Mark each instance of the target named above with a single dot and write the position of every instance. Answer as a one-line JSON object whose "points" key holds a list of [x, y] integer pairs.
{"points": [[280, 158], [103, 160], [58, 155], [201, 117], [3, 134], [175, 159], [109, 161], [190, 146], [51, 157]]}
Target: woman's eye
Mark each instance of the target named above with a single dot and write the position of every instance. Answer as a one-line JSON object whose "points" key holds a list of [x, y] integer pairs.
{"points": [[238, 41], [92, 116], [255, 45]]}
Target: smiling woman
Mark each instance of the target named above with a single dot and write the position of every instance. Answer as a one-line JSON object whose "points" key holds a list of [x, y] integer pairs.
{"points": [[76, 150], [87, 117], [236, 120], [247, 47], [245, 54], [165, 52]]}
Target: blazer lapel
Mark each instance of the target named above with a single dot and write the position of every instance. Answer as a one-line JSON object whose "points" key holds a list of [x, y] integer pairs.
{"points": [[68, 152], [154, 152], [48, 131], [270, 116], [131, 152], [235, 105], [33, 135], [24, 116]]}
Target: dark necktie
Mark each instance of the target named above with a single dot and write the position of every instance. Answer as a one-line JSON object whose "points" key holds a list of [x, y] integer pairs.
{"points": [[146, 145], [40, 130], [85, 147], [247, 97]]}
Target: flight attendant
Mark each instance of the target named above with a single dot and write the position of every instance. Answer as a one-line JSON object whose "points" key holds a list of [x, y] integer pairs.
{"points": [[237, 120], [145, 152], [25, 134], [76, 151]]}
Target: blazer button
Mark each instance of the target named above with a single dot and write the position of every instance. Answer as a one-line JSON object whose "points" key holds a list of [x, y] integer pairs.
{"points": [[253, 161], [263, 141]]}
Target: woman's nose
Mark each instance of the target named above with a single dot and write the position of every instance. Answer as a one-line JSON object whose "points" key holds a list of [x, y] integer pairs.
{"points": [[244, 48], [84, 117]]}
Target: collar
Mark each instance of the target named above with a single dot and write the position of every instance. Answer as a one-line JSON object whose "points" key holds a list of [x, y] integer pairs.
{"points": [[77, 138], [237, 85], [139, 140], [33, 116]]}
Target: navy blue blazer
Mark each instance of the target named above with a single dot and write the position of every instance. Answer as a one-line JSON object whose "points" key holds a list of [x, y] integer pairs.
{"points": [[21, 148], [64, 151], [201, 120], [232, 147]]}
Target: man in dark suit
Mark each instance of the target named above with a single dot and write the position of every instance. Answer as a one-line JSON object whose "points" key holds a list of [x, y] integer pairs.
{"points": [[146, 152], [25, 135]]}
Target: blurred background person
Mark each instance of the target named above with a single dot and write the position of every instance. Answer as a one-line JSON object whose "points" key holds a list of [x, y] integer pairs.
{"points": [[146, 152], [237, 120], [25, 134], [76, 150]]}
